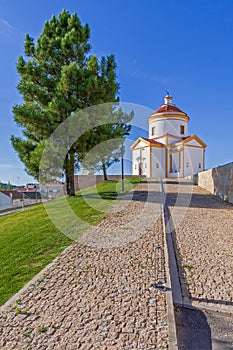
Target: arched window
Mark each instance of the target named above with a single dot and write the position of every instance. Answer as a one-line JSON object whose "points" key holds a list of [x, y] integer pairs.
{"points": [[153, 130]]}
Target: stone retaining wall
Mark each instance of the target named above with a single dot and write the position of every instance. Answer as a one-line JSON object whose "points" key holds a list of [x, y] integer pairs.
{"points": [[218, 181]]}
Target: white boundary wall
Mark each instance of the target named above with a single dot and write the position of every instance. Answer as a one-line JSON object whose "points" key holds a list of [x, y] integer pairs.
{"points": [[218, 181], [5, 201]]}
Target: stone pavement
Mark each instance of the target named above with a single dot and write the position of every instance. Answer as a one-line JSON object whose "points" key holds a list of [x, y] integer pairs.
{"points": [[99, 293], [204, 240]]}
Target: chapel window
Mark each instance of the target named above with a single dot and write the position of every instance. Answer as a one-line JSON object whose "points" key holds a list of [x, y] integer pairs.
{"points": [[153, 130], [182, 129]]}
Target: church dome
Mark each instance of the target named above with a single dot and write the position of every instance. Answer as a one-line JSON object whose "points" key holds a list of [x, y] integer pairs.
{"points": [[168, 119], [168, 108]]}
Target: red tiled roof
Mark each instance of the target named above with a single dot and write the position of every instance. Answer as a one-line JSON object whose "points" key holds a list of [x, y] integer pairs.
{"points": [[27, 189], [153, 142], [15, 194], [169, 108]]}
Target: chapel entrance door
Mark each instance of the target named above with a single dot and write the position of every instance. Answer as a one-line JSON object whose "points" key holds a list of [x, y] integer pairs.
{"points": [[140, 169]]}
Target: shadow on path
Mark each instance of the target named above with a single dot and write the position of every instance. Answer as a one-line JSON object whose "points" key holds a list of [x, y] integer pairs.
{"points": [[221, 329], [193, 330]]}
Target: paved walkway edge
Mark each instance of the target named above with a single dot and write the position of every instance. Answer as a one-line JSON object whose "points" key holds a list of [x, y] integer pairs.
{"points": [[31, 282], [171, 287], [178, 298]]}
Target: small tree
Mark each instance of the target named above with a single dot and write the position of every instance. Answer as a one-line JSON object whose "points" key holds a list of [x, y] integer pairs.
{"points": [[105, 145], [57, 78], [9, 187]]}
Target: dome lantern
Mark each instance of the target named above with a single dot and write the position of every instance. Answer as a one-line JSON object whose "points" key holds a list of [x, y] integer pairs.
{"points": [[168, 99]]}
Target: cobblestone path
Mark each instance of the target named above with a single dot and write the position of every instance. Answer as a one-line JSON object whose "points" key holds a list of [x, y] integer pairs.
{"points": [[204, 239], [99, 293]]}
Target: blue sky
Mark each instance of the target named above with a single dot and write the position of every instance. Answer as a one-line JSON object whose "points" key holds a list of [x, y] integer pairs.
{"points": [[185, 47]]}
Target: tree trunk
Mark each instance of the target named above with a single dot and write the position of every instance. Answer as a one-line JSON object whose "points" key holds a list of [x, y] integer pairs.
{"points": [[66, 165], [72, 189], [69, 169], [71, 174], [67, 182], [104, 171]]}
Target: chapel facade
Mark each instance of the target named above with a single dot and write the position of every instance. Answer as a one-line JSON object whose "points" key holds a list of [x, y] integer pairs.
{"points": [[169, 151]]}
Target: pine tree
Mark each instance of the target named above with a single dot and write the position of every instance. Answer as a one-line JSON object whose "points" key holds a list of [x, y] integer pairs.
{"points": [[57, 78]]}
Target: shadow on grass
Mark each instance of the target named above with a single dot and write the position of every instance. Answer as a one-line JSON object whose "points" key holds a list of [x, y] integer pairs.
{"points": [[104, 195]]}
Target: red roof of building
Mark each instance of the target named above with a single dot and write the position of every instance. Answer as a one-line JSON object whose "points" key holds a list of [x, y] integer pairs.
{"points": [[153, 142], [13, 193], [169, 108], [24, 189]]}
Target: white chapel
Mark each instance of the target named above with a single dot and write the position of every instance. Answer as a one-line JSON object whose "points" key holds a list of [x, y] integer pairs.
{"points": [[169, 151]]}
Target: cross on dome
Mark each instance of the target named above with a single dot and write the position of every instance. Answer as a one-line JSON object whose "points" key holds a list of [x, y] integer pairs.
{"points": [[167, 98]]}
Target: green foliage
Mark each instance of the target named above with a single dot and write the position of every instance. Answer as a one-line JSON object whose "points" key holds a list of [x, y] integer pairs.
{"points": [[42, 330], [106, 141], [9, 187], [27, 334], [57, 78]]}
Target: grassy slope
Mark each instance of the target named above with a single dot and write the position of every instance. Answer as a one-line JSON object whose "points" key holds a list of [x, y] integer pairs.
{"points": [[29, 240]]}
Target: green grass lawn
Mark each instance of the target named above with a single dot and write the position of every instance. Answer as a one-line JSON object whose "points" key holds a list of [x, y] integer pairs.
{"points": [[29, 240]]}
